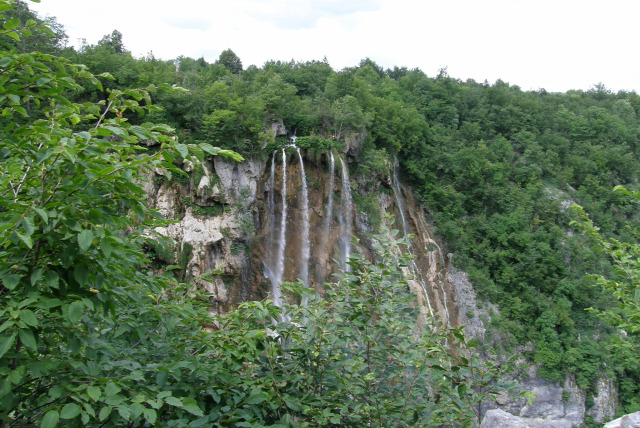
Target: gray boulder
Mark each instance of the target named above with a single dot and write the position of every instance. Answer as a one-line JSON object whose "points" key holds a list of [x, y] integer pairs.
{"points": [[497, 418]]}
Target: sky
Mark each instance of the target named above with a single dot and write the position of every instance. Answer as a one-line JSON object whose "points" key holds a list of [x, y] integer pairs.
{"points": [[557, 45]]}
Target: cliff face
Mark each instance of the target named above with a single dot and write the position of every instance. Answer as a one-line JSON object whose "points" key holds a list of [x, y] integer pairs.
{"points": [[256, 224]]}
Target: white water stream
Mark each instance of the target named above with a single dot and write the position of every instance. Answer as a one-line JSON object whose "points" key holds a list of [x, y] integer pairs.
{"points": [[346, 219], [397, 191]]}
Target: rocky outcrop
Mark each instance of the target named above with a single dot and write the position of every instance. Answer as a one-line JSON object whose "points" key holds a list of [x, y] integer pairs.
{"points": [[627, 421], [500, 419], [605, 403]]}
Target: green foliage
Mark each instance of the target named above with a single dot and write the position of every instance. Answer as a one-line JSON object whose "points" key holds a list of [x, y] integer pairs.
{"points": [[624, 314], [89, 335], [230, 61], [355, 356]]}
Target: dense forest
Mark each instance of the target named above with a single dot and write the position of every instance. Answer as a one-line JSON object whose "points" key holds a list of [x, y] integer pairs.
{"points": [[496, 168]]}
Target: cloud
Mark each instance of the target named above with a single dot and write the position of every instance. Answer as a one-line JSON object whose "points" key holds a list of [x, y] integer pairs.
{"points": [[298, 15], [188, 23]]}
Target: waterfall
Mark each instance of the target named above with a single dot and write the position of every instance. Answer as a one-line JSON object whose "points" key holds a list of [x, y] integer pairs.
{"points": [[276, 281], [326, 226], [304, 261], [346, 219], [430, 241], [397, 191], [271, 209]]}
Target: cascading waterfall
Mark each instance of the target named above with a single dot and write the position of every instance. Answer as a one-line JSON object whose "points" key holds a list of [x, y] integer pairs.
{"points": [[304, 261], [271, 204], [326, 226], [430, 241], [405, 228], [276, 281], [346, 219]]}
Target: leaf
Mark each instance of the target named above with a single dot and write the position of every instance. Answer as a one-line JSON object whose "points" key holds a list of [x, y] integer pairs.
{"points": [[94, 393], [182, 149], [11, 281], [29, 318], [106, 248], [111, 389], [230, 154], [70, 411], [81, 273], [191, 406], [11, 24], [43, 214], [173, 401], [28, 225], [124, 411], [140, 132], [26, 239], [5, 343], [150, 416], [104, 413], [136, 410], [85, 238], [76, 309], [28, 339], [36, 275], [52, 278], [50, 419]]}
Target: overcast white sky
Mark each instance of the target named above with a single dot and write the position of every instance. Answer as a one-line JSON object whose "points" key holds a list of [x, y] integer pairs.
{"points": [[553, 44]]}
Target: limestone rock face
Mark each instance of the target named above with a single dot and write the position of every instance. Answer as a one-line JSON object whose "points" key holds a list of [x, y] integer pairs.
{"points": [[627, 421], [500, 419], [604, 404], [239, 180]]}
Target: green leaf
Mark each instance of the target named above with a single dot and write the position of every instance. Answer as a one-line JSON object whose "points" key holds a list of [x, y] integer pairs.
{"points": [[43, 214], [70, 411], [111, 389], [94, 393], [182, 149], [124, 411], [140, 132], [81, 273], [29, 318], [85, 238], [150, 416], [191, 406], [136, 410], [29, 227], [104, 413], [26, 239], [50, 419], [11, 24], [5, 6], [36, 275], [106, 248], [5, 343], [11, 281], [52, 278], [173, 401], [28, 339], [76, 310]]}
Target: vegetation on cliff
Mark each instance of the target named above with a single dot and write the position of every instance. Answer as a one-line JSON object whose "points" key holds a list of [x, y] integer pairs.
{"points": [[92, 335], [497, 168]]}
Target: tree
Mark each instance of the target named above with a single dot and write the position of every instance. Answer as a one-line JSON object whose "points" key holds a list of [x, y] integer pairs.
{"points": [[113, 42], [624, 314], [89, 334], [231, 61]]}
